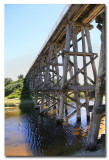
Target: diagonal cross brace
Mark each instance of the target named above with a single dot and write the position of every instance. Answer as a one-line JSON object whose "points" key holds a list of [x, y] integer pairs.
{"points": [[74, 76]]}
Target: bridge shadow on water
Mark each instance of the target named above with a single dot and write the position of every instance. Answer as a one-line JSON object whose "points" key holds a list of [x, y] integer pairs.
{"points": [[45, 138]]}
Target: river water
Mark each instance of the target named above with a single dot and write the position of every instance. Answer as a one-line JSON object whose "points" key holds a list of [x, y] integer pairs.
{"points": [[27, 133]]}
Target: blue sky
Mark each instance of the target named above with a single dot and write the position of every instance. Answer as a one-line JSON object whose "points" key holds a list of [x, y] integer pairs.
{"points": [[26, 28]]}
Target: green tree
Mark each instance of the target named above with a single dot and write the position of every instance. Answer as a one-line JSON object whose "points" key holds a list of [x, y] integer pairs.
{"points": [[12, 87], [20, 76], [8, 81]]}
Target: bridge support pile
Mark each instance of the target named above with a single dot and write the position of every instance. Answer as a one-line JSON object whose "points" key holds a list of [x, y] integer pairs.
{"points": [[98, 109], [57, 75]]}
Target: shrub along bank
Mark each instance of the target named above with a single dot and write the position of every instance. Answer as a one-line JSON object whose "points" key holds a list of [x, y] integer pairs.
{"points": [[17, 94]]}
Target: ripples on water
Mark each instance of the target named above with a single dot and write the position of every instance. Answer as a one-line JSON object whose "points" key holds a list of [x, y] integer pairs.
{"points": [[30, 134]]}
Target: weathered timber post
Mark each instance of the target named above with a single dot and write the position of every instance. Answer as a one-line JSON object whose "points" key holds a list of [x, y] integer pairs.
{"points": [[65, 68], [47, 74], [35, 94], [90, 51], [38, 82], [57, 72], [71, 72], [65, 98], [96, 116], [53, 81], [85, 73], [75, 49]]}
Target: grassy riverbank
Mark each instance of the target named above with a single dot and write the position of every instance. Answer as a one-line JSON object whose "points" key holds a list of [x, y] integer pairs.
{"points": [[17, 94], [18, 102]]}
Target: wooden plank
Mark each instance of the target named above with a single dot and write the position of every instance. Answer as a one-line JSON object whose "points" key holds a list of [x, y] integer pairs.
{"points": [[57, 84], [71, 114], [77, 40], [47, 109], [47, 75], [96, 118], [90, 50], [85, 72], [76, 80], [56, 67], [82, 88], [57, 64], [39, 85], [74, 100], [70, 105], [71, 88], [80, 11], [71, 72], [80, 53], [65, 67], [93, 13], [75, 49]]}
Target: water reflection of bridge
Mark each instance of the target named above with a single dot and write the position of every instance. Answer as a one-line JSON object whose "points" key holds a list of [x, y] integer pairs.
{"points": [[61, 51], [46, 138]]}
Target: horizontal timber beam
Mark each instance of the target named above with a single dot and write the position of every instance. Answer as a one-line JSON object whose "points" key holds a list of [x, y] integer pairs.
{"points": [[47, 109], [71, 88], [80, 53]]}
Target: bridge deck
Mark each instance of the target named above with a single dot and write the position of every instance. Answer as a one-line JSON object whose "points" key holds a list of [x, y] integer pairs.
{"points": [[79, 14]]}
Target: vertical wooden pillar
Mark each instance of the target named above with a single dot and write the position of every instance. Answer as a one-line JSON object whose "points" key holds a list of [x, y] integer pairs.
{"points": [[40, 82], [65, 68], [47, 74], [65, 105], [37, 83], [53, 82], [71, 72], [58, 104], [90, 51], [65, 98], [85, 73], [75, 49], [96, 117], [50, 85], [57, 73]]}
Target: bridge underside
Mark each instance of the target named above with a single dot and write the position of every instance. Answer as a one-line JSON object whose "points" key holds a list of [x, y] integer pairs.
{"points": [[65, 67]]}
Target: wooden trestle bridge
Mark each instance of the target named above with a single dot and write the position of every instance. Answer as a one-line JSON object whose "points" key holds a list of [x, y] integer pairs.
{"points": [[55, 74]]}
